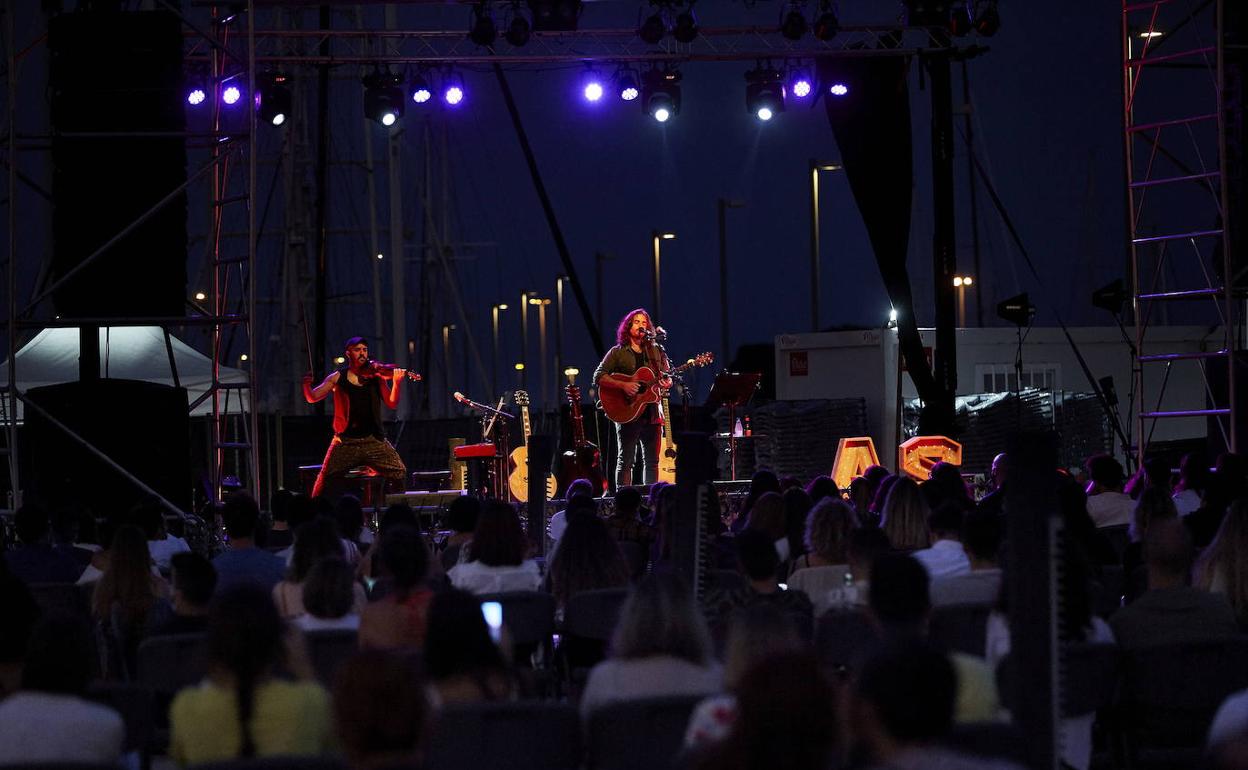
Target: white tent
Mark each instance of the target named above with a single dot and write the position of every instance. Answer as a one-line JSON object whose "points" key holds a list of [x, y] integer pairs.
{"points": [[127, 353]]}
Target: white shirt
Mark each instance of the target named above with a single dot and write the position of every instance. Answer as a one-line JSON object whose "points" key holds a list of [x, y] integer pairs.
{"points": [[1110, 509], [944, 558], [44, 727], [818, 583], [163, 550], [478, 578], [1186, 502], [557, 524], [979, 586], [627, 679]]}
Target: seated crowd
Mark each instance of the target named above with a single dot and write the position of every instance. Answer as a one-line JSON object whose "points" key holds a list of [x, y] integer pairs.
{"points": [[810, 640]]}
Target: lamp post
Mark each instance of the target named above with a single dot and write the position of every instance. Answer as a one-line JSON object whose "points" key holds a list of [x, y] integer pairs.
{"points": [[722, 206], [960, 282], [541, 303], [494, 311], [657, 237], [559, 281], [524, 337], [815, 168]]}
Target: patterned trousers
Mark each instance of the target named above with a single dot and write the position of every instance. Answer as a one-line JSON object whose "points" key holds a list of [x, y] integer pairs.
{"points": [[347, 453]]}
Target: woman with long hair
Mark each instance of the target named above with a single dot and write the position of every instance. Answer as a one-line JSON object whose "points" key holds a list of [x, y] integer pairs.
{"points": [[761, 483], [498, 556], [904, 516], [767, 515], [242, 709], [398, 619], [331, 597], [588, 558], [463, 663], [1223, 566], [316, 540], [125, 594]]}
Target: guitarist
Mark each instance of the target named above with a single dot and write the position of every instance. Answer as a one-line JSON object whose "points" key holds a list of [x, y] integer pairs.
{"points": [[359, 391], [634, 349]]}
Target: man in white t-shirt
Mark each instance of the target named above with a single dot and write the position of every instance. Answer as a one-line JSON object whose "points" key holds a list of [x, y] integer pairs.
{"points": [[945, 556], [1107, 505]]}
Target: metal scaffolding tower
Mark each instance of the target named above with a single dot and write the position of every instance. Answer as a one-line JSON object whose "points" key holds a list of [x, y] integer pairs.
{"points": [[1175, 108]]}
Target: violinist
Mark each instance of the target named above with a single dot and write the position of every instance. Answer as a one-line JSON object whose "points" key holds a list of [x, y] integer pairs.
{"points": [[360, 388]]}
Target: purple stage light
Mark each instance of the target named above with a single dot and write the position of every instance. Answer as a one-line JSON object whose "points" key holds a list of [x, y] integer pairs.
{"points": [[801, 88], [196, 96], [838, 89], [453, 95], [231, 95], [592, 91]]}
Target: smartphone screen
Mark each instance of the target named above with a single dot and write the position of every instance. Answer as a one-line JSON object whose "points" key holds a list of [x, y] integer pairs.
{"points": [[493, 613]]}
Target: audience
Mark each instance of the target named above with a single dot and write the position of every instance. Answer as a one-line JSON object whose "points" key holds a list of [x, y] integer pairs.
{"points": [[797, 506], [398, 620], [1193, 479], [331, 597], [1171, 611], [461, 518], [1107, 504], [759, 564], [994, 501], [280, 534], [821, 487], [1223, 567], [588, 558], [20, 615], [125, 595], [981, 541], [625, 524], [349, 516], [945, 557], [823, 567], [904, 516], [463, 662], [193, 582], [35, 560], [380, 711], [763, 481], [1154, 504], [767, 516], [860, 496], [865, 546], [316, 540], [242, 562], [497, 560], [945, 485], [49, 719], [661, 647], [151, 517], [559, 520]]}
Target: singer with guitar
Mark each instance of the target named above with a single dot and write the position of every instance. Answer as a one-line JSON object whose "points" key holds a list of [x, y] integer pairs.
{"points": [[634, 350], [360, 388]]}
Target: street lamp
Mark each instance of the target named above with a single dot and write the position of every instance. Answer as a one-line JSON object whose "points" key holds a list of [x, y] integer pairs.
{"points": [[494, 311], [524, 336], [960, 282], [815, 168], [541, 304], [559, 282], [722, 206], [657, 237]]}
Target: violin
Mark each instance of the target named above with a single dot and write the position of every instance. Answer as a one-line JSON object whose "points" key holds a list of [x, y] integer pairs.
{"points": [[378, 369]]}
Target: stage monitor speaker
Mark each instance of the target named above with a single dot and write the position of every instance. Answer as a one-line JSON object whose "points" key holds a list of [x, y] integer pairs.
{"points": [[142, 426], [117, 113]]}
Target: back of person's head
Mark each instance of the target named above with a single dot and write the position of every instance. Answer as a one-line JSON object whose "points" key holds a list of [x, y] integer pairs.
{"points": [[127, 580], [458, 640], [329, 591], [757, 632], [318, 539], [882, 491], [660, 617], [32, 523], [627, 501], [786, 717], [797, 506], [905, 691], [588, 558], [875, 474], [1154, 505], [404, 557], [828, 527], [581, 506], [402, 515], [865, 546], [860, 494], [899, 594], [1168, 549], [461, 515], [764, 481], [245, 640], [58, 655], [945, 484], [904, 518], [945, 521], [349, 515], [767, 515], [194, 577], [1194, 471], [580, 488], [756, 554], [981, 536], [380, 710], [498, 539], [1105, 471], [241, 516], [821, 487]]}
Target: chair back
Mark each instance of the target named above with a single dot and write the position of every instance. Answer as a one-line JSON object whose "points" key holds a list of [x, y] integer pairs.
{"points": [[528, 615], [639, 733], [63, 598], [842, 636], [329, 649], [961, 627], [593, 614], [166, 664], [523, 735]]}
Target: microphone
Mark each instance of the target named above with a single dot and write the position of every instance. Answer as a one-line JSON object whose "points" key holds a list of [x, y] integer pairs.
{"points": [[468, 402]]}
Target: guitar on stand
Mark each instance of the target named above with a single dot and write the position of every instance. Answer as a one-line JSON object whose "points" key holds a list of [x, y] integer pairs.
{"points": [[583, 460], [518, 481], [620, 407], [667, 454]]}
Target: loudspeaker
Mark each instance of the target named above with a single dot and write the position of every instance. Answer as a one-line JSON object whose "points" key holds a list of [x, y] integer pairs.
{"points": [[142, 426], [113, 74]]}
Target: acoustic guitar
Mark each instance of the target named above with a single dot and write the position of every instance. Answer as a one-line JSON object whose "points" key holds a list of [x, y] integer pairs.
{"points": [[518, 481], [583, 460], [667, 452], [621, 407]]}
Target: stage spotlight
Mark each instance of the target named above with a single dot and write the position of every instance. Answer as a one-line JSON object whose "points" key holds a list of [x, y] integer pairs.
{"points": [[960, 24], [453, 91], [231, 94], [383, 98], [420, 90], [800, 83], [764, 93], [686, 28], [482, 31], [518, 30], [1017, 310], [652, 29], [988, 21], [626, 83], [1111, 297], [273, 98], [661, 88], [838, 89], [555, 15], [195, 94], [794, 25], [826, 24]]}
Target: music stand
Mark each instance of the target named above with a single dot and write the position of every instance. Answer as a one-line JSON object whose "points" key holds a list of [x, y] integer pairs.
{"points": [[733, 389]]}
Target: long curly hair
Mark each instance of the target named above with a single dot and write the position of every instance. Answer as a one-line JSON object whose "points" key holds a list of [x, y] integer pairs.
{"points": [[621, 331], [588, 558], [828, 528]]}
